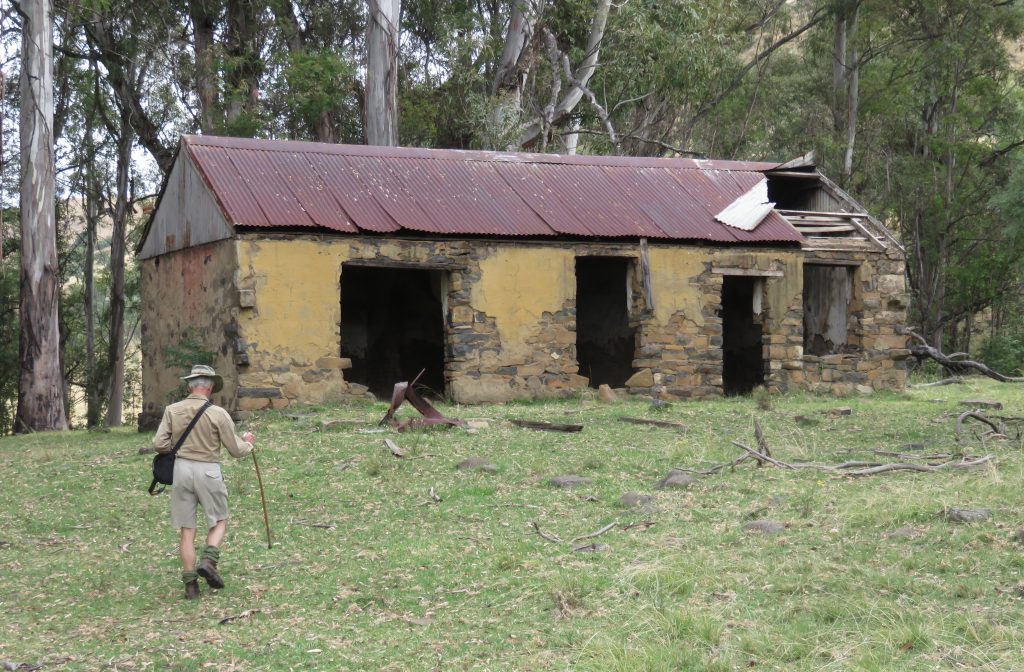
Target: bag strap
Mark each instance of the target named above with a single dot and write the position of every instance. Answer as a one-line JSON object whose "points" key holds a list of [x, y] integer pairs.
{"points": [[195, 419], [181, 440]]}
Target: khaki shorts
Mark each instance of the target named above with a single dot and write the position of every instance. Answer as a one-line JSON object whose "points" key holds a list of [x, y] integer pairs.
{"points": [[198, 483]]}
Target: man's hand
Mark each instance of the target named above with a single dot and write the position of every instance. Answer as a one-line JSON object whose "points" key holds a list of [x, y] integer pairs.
{"points": [[249, 437]]}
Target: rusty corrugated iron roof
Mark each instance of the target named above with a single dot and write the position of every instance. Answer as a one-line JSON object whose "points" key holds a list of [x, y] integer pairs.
{"points": [[352, 188]]}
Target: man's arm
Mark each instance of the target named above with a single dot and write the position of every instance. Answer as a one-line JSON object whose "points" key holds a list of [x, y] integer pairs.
{"points": [[236, 446], [162, 440]]}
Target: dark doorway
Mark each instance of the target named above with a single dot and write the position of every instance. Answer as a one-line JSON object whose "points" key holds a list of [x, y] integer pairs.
{"points": [[392, 326], [605, 342], [742, 352]]}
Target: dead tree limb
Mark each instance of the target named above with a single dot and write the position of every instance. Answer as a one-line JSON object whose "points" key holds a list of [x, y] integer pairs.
{"points": [[1000, 429], [544, 535], [762, 443], [604, 529], [955, 380], [762, 457], [922, 349], [967, 463]]}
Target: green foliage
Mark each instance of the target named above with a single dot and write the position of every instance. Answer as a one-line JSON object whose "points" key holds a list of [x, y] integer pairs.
{"points": [[187, 352]]}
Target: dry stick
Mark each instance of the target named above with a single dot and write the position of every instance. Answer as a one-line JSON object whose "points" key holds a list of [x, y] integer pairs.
{"points": [[714, 470], [762, 443], [921, 467], [657, 423], [956, 380], [544, 535], [595, 534], [761, 456], [977, 416], [263, 498]]}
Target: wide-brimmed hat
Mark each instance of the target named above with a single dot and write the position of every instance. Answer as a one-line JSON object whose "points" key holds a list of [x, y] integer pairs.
{"points": [[204, 371]]}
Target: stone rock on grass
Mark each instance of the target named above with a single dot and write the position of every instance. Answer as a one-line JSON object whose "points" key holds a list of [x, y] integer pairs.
{"points": [[900, 533], [1018, 536], [606, 394], [764, 526], [674, 480], [477, 464], [966, 515], [569, 481], [635, 499], [592, 548], [660, 405]]}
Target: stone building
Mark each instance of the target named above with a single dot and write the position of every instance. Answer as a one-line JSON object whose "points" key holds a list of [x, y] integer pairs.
{"points": [[317, 273]]}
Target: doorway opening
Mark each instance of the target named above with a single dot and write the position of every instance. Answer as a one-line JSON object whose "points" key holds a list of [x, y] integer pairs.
{"points": [[742, 342], [392, 326], [605, 343]]}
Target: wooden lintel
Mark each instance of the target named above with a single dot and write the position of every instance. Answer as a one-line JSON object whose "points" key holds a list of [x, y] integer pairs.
{"points": [[752, 272], [404, 265], [832, 262]]}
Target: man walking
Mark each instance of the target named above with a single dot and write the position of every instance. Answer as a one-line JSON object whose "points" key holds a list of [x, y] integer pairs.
{"points": [[197, 473]]}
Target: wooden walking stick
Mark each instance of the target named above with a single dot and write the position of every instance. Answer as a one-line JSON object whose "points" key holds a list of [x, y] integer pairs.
{"points": [[263, 498]]}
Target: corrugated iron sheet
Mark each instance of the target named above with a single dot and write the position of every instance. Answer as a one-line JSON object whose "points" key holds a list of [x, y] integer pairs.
{"points": [[350, 188]]}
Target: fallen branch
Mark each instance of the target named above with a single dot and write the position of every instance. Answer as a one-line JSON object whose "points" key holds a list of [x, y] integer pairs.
{"points": [[642, 525], [393, 447], [604, 529], [980, 418], [544, 535], [885, 468], [922, 350], [762, 457], [955, 380], [657, 423], [546, 426], [715, 469], [248, 613]]}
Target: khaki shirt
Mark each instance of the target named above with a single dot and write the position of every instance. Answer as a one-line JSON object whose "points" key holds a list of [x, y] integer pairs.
{"points": [[203, 443]]}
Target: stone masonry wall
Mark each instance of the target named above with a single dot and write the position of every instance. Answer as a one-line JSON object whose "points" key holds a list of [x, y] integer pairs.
{"points": [[510, 317], [189, 316], [876, 354]]}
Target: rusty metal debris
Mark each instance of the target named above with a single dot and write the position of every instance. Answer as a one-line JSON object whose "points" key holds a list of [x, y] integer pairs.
{"points": [[403, 392]]}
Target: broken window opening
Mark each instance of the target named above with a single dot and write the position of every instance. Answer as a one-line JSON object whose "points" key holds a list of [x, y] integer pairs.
{"points": [[827, 293], [742, 335], [392, 327], [605, 341]]}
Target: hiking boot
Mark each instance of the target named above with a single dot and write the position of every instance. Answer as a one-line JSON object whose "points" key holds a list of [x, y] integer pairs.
{"points": [[208, 570], [192, 590]]}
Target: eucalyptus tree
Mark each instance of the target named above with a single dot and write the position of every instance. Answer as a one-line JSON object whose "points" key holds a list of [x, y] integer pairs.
{"points": [[40, 388]]}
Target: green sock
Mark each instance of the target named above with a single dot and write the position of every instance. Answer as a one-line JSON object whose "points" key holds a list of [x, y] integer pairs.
{"points": [[189, 577], [211, 553]]}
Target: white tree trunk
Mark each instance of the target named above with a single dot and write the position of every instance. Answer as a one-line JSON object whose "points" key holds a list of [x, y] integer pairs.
{"points": [[581, 77], [40, 388], [381, 103]]}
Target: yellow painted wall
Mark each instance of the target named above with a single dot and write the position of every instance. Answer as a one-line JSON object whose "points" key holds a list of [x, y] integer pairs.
{"points": [[517, 286], [297, 298], [674, 273]]}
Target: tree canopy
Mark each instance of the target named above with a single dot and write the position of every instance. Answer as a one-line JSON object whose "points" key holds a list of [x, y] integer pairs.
{"points": [[913, 105]]}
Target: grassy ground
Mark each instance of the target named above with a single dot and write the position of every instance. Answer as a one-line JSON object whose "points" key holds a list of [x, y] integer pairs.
{"points": [[368, 572]]}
